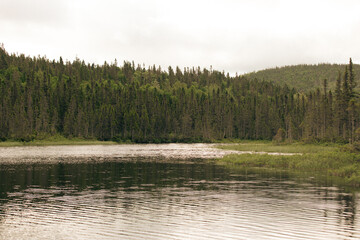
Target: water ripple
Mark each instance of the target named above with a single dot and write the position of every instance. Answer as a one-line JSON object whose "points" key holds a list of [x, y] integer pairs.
{"points": [[157, 199]]}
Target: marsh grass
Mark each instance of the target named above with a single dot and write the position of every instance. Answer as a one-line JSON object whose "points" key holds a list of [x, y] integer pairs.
{"points": [[264, 146], [319, 159]]}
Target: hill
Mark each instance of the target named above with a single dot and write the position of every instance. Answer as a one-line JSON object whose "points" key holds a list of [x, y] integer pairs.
{"points": [[305, 77]]}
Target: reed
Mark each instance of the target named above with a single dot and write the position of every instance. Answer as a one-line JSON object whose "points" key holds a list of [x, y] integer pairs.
{"points": [[327, 160]]}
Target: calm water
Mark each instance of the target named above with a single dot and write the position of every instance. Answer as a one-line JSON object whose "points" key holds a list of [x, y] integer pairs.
{"points": [[161, 192]]}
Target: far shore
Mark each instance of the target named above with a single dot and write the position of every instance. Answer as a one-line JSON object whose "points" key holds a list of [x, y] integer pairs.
{"points": [[55, 143], [61, 140]]}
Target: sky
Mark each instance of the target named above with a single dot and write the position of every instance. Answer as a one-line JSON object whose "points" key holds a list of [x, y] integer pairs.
{"points": [[235, 36]]}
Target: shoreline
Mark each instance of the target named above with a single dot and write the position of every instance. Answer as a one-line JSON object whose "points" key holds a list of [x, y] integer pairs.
{"points": [[55, 143], [60, 140]]}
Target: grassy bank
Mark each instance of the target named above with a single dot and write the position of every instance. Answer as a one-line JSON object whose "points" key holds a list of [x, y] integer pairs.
{"points": [[268, 146], [61, 140], [320, 159], [55, 140]]}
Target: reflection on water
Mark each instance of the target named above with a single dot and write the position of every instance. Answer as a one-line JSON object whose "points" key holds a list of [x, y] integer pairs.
{"points": [[157, 198]]}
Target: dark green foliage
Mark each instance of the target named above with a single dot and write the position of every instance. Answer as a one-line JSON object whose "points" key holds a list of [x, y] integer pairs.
{"points": [[45, 98], [280, 136]]}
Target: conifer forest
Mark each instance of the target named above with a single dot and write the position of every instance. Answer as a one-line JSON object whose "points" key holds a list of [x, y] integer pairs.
{"points": [[41, 97]]}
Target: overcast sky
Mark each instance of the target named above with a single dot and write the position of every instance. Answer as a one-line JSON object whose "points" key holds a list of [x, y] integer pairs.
{"points": [[234, 36]]}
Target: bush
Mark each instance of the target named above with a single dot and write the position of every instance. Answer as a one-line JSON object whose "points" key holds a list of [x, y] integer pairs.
{"points": [[117, 139], [353, 148], [27, 138], [280, 136]]}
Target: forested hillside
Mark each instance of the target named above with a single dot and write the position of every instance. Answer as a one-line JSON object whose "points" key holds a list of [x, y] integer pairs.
{"points": [[304, 77], [41, 97]]}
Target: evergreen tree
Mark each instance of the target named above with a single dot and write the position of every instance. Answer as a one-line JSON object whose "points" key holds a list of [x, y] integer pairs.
{"points": [[41, 98]]}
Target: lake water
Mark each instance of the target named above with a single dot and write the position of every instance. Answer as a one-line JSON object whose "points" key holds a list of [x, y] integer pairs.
{"points": [[168, 191]]}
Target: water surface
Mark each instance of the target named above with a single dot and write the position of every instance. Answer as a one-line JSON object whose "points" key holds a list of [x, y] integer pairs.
{"points": [[161, 192]]}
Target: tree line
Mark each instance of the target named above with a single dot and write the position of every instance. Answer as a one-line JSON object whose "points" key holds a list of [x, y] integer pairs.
{"points": [[41, 98]]}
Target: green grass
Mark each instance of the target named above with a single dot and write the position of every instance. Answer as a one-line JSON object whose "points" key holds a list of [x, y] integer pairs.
{"points": [[319, 159], [267, 146], [56, 140]]}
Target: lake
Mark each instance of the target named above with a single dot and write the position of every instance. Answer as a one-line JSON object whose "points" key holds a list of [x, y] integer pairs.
{"points": [[165, 191]]}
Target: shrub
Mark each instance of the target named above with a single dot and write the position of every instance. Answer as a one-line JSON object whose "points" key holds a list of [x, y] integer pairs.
{"points": [[280, 136]]}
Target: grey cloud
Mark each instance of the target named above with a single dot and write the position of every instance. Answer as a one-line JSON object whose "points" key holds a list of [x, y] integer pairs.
{"points": [[224, 34]]}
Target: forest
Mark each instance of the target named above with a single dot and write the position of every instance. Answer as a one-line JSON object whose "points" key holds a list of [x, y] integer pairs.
{"points": [[41, 98]]}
